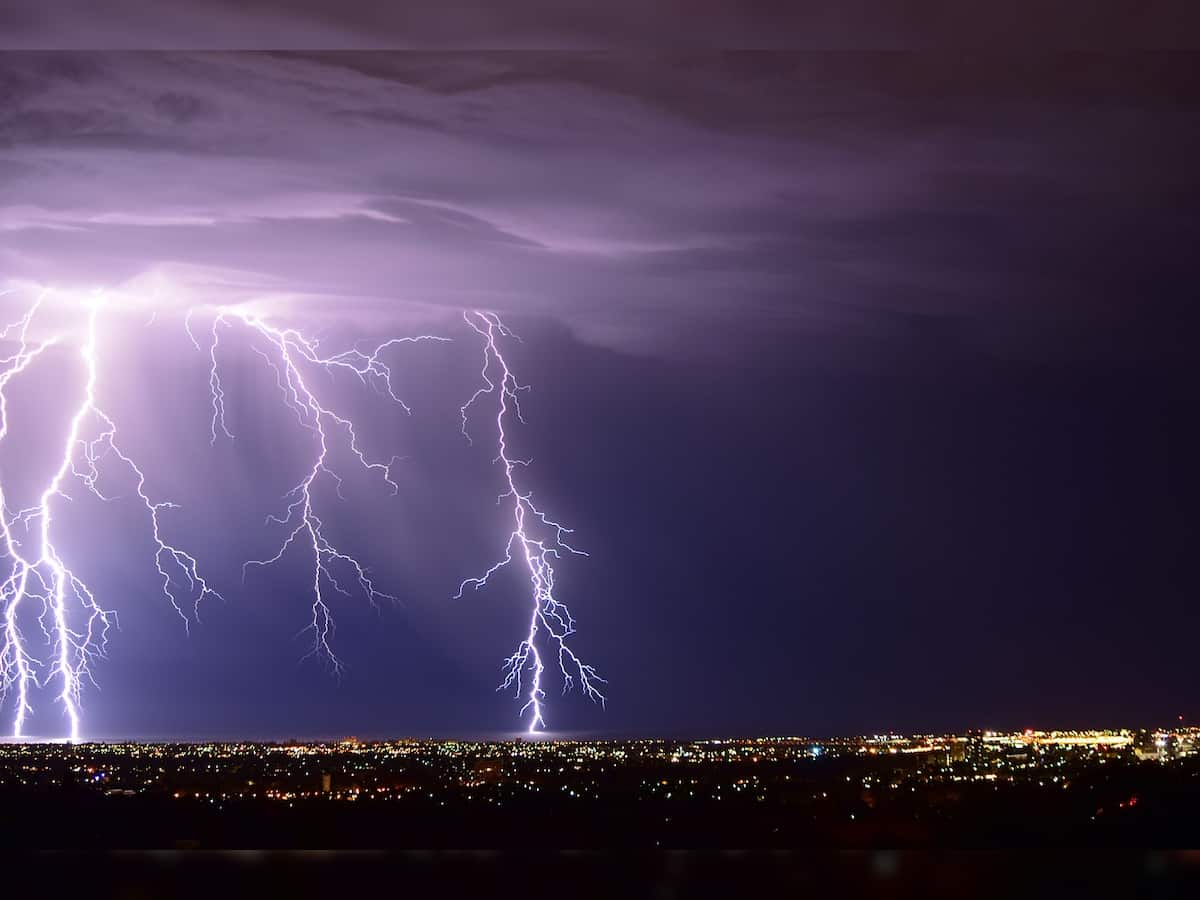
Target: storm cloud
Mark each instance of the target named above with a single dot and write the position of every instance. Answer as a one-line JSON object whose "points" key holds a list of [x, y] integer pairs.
{"points": [[635, 197]]}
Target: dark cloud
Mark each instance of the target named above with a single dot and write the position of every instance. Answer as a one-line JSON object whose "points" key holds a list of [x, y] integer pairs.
{"points": [[579, 24], [608, 189], [183, 108]]}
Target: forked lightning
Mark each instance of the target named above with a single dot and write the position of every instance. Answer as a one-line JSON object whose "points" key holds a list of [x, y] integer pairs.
{"points": [[39, 585], [536, 541]]}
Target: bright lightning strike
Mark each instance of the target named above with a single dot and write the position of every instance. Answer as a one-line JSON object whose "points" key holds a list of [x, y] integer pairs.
{"points": [[290, 355], [535, 540], [73, 623], [37, 583]]}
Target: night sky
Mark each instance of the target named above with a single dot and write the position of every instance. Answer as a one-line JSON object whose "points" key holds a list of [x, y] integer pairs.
{"points": [[864, 377]]}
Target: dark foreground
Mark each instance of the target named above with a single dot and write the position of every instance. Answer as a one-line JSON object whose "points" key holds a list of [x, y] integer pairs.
{"points": [[1090, 813], [536, 873]]}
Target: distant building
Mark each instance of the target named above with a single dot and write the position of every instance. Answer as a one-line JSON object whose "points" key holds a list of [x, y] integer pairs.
{"points": [[486, 769]]}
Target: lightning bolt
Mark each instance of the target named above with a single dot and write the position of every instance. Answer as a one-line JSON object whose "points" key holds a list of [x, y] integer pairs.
{"points": [[536, 541], [34, 570], [72, 621], [291, 356]]}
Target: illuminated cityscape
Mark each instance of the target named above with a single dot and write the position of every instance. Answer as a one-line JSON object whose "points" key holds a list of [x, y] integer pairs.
{"points": [[977, 788]]}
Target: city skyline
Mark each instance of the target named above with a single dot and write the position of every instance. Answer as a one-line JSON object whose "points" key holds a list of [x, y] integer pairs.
{"points": [[972, 790]]}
